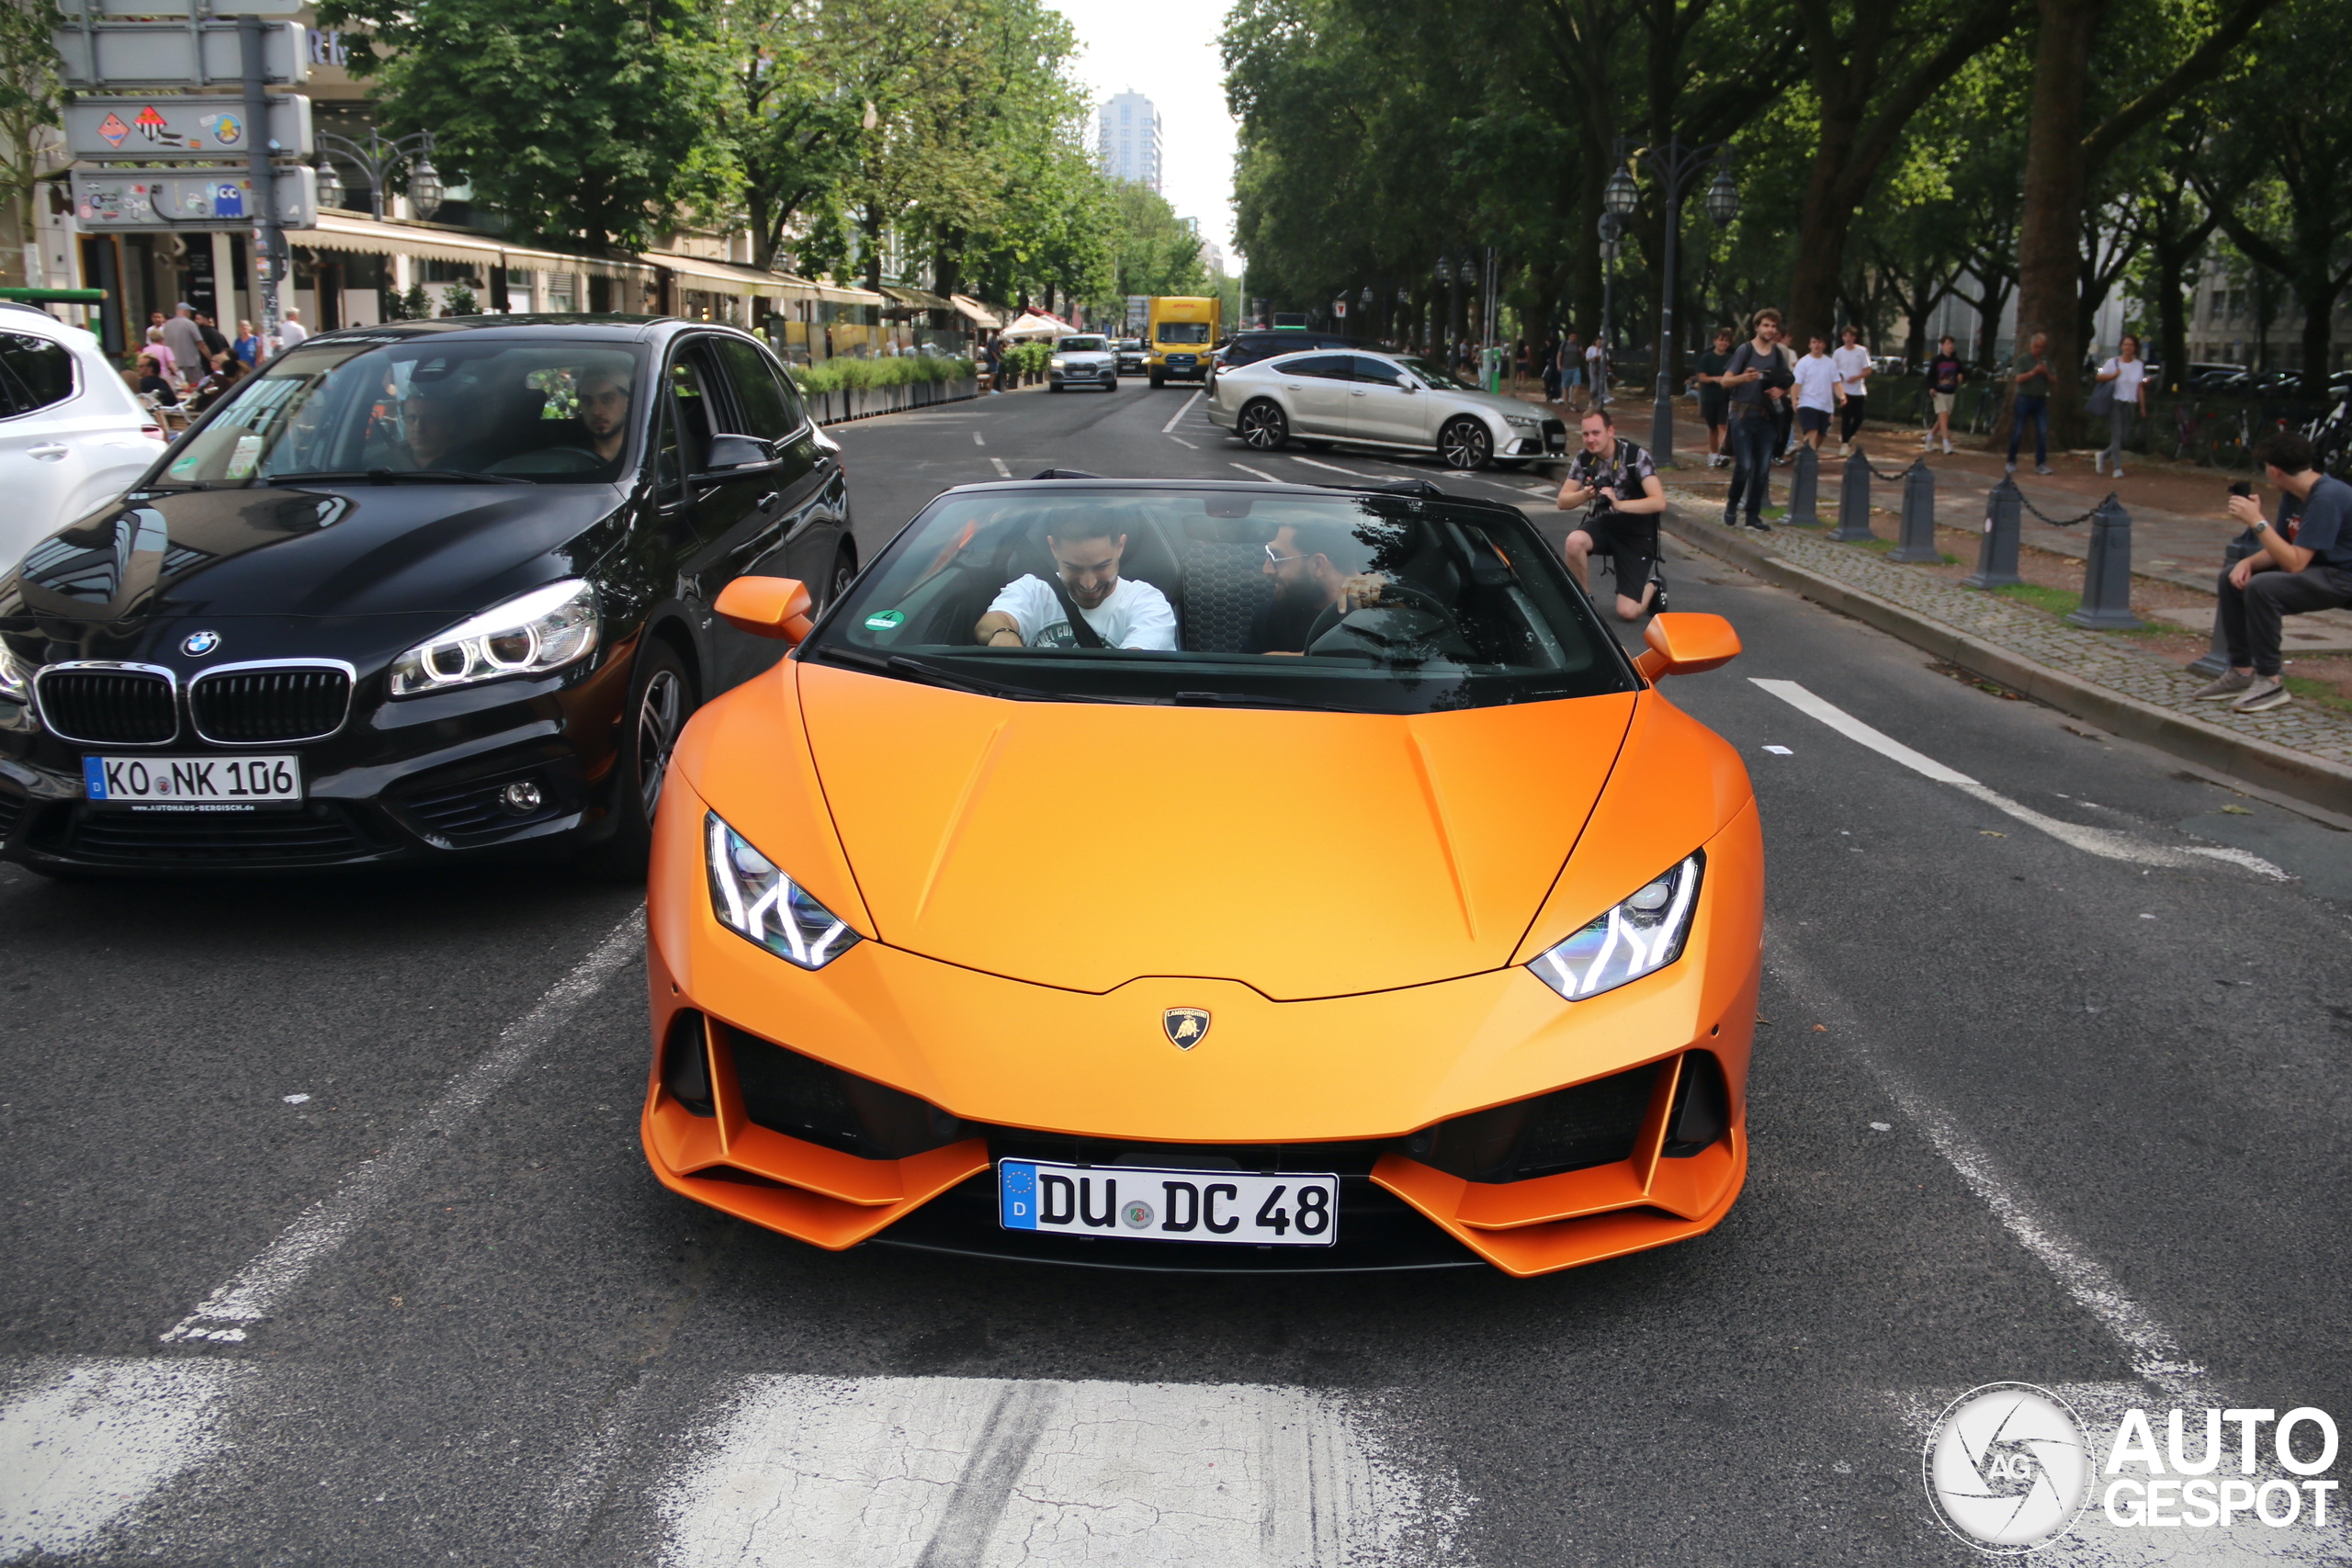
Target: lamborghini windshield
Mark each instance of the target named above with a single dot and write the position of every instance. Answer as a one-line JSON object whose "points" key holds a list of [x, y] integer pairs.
{"points": [[535, 410], [1213, 595]]}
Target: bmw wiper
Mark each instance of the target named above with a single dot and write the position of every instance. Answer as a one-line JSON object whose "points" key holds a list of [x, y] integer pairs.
{"points": [[394, 476]]}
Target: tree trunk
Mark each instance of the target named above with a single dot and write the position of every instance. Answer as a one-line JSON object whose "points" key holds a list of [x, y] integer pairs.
{"points": [[2050, 238], [2318, 295], [2169, 260]]}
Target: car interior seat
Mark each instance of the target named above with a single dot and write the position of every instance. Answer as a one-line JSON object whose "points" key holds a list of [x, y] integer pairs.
{"points": [[1225, 586]]}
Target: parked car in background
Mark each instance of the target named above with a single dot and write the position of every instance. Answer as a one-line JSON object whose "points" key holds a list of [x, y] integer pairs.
{"points": [[1082, 359], [1134, 359], [73, 436], [419, 591], [1380, 399]]}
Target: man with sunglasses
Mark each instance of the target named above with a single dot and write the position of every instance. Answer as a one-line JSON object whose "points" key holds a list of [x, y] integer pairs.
{"points": [[1312, 590]]}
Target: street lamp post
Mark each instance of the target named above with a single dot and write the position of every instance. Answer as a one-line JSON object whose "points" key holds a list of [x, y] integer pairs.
{"points": [[377, 159], [1612, 229], [1675, 167]]}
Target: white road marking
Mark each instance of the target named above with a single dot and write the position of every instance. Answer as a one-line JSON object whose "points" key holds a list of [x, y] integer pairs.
{"points": [[262, 1286], [987, 1472], [1332, 468], [84, 1443], [1780, 750], [1178, 417], [978, 440], [1003, 472], [1182, 442], [2106, 842], [1259, 474]]}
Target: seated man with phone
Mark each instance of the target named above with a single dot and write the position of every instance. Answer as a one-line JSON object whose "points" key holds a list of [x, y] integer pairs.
{"points": [[2300, 561]]}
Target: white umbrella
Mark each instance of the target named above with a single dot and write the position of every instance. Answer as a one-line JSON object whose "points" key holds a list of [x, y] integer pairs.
{"points": [[1034, 325]]}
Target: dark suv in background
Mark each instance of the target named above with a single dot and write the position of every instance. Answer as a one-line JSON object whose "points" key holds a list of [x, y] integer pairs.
{"points": [[1249, 346]]}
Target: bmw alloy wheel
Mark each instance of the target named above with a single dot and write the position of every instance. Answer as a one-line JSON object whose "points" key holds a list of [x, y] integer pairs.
{"points": [[1466, 444], [1264, 428], [660, 714]]}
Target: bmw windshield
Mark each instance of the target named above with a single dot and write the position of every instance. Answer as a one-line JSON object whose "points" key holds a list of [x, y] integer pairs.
{"points": [[1205, 595], [498, 410]]}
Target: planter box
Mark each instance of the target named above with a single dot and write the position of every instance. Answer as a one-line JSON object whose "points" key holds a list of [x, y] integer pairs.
{"points": [[861, 402]]}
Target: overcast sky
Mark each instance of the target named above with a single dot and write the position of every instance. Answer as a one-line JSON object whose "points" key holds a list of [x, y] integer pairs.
{"points": [[1168, 53]]}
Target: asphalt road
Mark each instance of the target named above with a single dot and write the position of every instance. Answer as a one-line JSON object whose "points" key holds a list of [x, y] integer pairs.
{"points": [[2047, 1093]]}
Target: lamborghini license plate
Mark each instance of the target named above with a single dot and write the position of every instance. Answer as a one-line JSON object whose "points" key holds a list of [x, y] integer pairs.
{"points": [[1235, 1207]]}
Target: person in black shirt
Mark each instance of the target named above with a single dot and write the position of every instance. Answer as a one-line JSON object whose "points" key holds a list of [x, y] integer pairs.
{"points": [[1945, 373], [1618, 483], [2302, 562], [1758, 379]]}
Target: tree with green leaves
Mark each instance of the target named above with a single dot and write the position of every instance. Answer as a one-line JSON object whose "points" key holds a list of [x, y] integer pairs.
{"points": [[1151, 251], [29, 101], [575, 117]]}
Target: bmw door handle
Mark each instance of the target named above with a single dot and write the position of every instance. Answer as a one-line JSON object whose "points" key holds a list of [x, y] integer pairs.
{"points": [[766, 501], [49, 451]]}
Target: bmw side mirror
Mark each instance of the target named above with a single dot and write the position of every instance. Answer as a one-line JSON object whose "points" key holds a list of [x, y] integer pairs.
{"points": [[776, 607], [729, 453], [1687, 645]]}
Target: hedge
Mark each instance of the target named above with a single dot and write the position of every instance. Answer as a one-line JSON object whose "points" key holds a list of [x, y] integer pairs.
{"points": [[906, 370]]}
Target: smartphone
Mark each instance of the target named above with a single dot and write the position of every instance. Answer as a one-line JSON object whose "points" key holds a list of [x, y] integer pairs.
{"points": [[2240, 486]]}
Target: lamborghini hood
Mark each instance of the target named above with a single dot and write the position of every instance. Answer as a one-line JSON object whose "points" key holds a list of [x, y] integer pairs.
{"points": [[1303, 854]]}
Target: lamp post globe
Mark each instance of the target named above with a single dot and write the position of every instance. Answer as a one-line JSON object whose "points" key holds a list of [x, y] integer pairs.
{"points": [[1723, 199], [330, 184], [1620, 195], [423, 188]]}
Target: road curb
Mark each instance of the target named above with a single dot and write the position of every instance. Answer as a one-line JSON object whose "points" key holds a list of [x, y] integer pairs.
{"points": [[2257, 762]]}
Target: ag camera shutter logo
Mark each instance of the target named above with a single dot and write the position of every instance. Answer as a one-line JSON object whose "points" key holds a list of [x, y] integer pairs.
{"points": [[2006, 1467]]}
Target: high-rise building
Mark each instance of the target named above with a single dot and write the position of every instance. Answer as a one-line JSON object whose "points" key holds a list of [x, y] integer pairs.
{"points": [[1128, 142]]}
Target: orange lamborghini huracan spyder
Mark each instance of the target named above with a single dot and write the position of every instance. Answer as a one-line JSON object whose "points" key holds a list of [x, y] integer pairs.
{"points": [[1191, 875]]}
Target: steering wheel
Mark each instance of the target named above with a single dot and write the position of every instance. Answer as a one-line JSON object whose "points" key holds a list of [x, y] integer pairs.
{"points": [[1421, 596]]}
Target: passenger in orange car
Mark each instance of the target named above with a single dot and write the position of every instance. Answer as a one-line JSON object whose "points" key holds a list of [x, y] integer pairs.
{"points": [[1312, 589], [1087, 603]]}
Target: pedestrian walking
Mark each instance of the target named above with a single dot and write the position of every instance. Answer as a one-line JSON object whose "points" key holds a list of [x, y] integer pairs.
{"points": [[1596, 371], [1945, 373], [1818, 393], [1551, 369], [291, 332], [1715, 401], [2031, 376], [159, 349], [1853, 362], [214, 344], [1572, 372], [1757, 378], [2304, 563], [1784, 407], [248, 345], [2123, 388]]}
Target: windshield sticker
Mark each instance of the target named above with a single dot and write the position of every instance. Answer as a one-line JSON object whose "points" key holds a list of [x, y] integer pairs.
{"points": [[885, 620]]}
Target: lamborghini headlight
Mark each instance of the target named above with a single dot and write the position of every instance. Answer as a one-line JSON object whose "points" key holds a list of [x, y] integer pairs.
{"points": [[755, 899], [542, 630], [1638, 937]]}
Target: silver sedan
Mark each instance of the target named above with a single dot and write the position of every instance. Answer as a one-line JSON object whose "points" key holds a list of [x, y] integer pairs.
{"points": [[1322, 398]]}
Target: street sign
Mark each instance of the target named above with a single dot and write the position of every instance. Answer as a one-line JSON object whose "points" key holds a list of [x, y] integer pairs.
{"points": [[150, 129], [119, 56], [135, 201], [113, 9]]}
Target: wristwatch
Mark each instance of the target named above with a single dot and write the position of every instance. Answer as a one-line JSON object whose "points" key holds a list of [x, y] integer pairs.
{"points": [[2261, 525]]}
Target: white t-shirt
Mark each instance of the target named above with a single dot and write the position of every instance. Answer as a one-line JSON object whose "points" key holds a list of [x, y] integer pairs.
{"points": [[291, 333], [1817, 382], [2128, 374], [1851, 362], [1136, 615]]}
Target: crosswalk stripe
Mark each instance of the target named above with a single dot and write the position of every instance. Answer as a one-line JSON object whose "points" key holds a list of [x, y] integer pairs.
{"points": [[84, 1443]]}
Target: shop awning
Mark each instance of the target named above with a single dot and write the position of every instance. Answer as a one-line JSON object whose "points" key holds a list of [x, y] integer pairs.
{"points": [[733, 278], [921, 300], [972, 311], [361, 235]]}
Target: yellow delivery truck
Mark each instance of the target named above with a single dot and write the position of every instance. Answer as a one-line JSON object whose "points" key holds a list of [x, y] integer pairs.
{"points": [[1182, 332]]}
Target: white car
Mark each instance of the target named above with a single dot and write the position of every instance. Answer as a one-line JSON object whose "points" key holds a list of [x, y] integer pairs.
{"points": [[73, 436], [1324, 396], [1082, 360]]}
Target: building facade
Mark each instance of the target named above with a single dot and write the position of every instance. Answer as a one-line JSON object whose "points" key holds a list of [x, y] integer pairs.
{"points": [[1129, 140]]}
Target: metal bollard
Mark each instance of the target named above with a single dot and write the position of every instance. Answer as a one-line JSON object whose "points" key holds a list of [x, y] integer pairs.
{"points": [[1854, 501], [1804, 488], [1917, 540], [2217, 657], [1996, 558], [2107, 577]]}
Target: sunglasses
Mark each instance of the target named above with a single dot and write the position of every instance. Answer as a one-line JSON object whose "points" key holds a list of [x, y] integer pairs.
{"points": [[1273, 559]]}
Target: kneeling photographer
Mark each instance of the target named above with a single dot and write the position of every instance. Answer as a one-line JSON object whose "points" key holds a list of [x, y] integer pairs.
{"points": [[1618, 484]]}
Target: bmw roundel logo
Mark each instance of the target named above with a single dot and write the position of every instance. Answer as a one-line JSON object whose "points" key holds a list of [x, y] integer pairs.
{"points": [[197, 644]]}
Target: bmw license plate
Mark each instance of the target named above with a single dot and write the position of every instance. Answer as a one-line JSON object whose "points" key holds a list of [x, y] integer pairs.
{"points": [[192, 783], [1231, 1206]]}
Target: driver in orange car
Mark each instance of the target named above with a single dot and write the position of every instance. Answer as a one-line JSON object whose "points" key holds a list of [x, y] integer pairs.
{"points": [[1312, 592], [1087, 592]]}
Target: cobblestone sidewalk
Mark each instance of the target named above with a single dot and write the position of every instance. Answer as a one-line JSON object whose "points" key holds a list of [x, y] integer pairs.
{"points": [[2100, 658]]}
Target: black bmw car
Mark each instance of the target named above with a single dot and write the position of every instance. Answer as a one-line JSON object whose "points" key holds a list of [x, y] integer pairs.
{"points": [[415, 592]]}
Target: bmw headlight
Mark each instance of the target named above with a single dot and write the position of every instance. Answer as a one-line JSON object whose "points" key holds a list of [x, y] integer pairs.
{"points": [[545, 629], [1640, 936], [16, 678], [755, 899]]}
